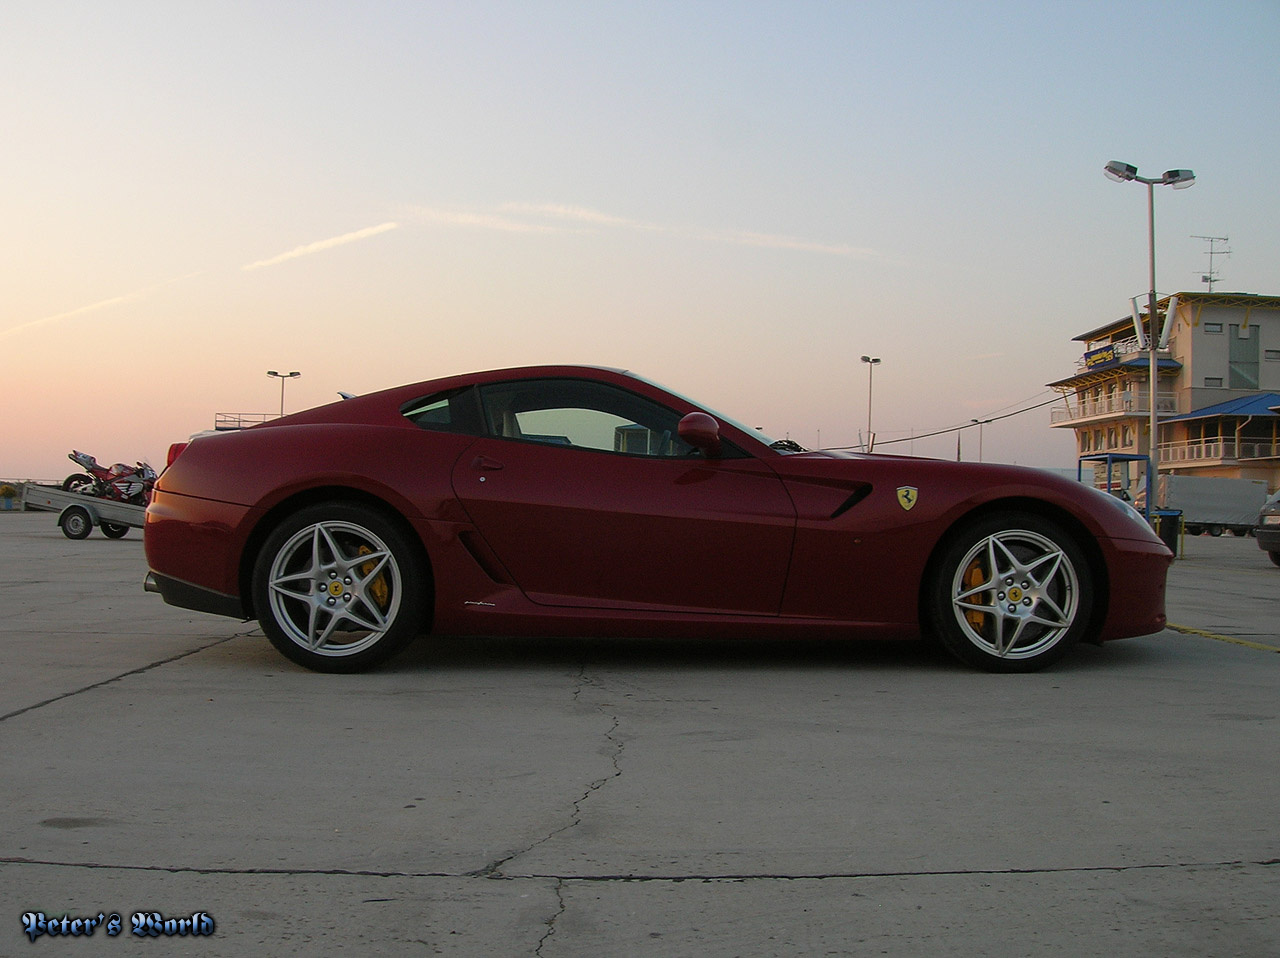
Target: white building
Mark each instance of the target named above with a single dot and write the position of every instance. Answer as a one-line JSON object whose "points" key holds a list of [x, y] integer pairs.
{"points": [[1218, 395]]}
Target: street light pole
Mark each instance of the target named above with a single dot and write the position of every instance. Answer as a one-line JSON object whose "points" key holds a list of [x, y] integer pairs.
{"points": [[979, 423], [1179, 180], [872, 363], [282, 377]]}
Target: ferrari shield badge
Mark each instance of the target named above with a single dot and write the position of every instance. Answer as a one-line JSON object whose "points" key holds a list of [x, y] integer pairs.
{"points": [[907, 496]]}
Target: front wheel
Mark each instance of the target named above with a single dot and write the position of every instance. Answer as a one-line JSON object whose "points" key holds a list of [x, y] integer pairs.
{"points": [[76, 523], [1012, 592], [338, 588], [1275, 557], [114, 530]]}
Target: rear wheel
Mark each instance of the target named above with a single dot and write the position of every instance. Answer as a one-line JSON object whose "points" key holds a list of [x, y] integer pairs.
{"points": [[338, 588], [1012, 592], [113, 530], [77, 482], [1275, 557]]}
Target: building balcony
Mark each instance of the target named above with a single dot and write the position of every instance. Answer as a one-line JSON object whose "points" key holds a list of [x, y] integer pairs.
{"points": [[1214, 451], [1076, 411]]}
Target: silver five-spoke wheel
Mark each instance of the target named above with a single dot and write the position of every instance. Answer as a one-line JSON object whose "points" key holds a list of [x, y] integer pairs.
{"points": [[1012, 593], [1015, 593], [334, 588], [337, 588]]}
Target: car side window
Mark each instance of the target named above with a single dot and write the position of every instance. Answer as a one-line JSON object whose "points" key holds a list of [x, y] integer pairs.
{"points": [[583, 415], [454, 410]]}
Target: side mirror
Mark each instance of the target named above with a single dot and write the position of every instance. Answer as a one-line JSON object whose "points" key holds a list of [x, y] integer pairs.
{"points": [[702, 432]]}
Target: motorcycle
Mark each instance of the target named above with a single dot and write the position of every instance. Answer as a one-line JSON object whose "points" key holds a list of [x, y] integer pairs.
{"points": [[119, 482]]}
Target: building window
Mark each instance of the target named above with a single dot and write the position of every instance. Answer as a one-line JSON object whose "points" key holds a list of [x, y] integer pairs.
{"points": [[1111, 439], [1127, 436], [1213, 382], [1084, 442], [1242, 369], [1213, 327]]}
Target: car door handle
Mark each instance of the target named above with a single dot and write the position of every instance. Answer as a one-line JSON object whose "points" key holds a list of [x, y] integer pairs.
{"points": [[485, 464]]}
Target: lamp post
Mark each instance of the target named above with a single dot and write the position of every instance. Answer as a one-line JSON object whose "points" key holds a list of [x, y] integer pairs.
{"points": [[1179, 180], [282, 377], [979, 423], [872, 363]]}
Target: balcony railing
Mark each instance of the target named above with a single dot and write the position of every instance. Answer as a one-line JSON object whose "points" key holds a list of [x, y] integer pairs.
{"points": [[1218, 450], [1137, 404]]}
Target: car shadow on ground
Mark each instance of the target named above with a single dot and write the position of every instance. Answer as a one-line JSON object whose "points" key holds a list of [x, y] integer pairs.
{"points": [[469, 652]]}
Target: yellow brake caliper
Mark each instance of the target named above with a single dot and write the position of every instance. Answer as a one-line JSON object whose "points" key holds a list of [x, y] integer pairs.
{"points": [[379, 589], [974, 577]]}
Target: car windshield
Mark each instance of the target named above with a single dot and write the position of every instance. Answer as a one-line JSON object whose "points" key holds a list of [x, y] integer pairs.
{"points": [[754, 433]]}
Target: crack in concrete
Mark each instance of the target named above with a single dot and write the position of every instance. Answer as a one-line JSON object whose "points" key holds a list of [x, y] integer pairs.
{"points": [[123, 675], [494, 868], [562, 879], [558, 889]]}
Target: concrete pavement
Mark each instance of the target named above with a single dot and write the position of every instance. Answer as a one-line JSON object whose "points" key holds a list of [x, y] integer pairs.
{"points": [[521, 797]]}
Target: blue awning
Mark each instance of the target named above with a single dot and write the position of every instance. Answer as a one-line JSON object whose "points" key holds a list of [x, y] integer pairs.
{"points": [[1262, 404]]}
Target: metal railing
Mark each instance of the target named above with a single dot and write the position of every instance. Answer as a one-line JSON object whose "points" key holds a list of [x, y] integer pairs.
{"points": [[1123, 347], [1218, 450], [1113, 405], [227, 421]]}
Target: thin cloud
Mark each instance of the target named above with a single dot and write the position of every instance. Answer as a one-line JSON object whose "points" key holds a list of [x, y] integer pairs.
{"points": [[95, 307], [773, 241], [578, 214], [72, 313], [518, 217], [322, 245], [478, 220]]}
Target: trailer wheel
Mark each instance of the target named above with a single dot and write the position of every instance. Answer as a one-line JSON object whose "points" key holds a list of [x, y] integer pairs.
{"points": [[76, 523], [1215, 531], [114, 531]]}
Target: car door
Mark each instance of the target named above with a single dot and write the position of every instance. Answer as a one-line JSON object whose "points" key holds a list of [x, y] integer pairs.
{"points": [[588, 497]]}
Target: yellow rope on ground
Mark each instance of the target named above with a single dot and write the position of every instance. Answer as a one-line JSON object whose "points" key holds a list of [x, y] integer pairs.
{"points": [[1187, 630]]}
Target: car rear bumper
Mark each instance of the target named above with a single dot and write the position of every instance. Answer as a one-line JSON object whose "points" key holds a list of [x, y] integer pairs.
{"points": [[1268, 538], [196, 542], [184, 595]]}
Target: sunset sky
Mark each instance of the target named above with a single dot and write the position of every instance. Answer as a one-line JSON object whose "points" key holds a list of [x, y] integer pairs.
{"points": [[735, 199]]}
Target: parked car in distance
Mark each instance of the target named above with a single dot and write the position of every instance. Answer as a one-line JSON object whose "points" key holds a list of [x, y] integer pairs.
{"points": [[571, 500], [1267, 530]]}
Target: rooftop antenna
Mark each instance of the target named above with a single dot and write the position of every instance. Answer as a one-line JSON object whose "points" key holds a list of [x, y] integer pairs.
{"points": [[1212, 276]]}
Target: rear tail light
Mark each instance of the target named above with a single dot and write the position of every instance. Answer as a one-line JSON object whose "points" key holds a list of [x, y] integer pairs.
{"points": [[174, 452]]}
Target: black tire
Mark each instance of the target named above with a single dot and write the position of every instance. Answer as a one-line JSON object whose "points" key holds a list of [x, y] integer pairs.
{"points": [[1275, 557], [338, 588], [114, 531], [1025, 613], [1215, 531], [78, 482], [76, 523]]}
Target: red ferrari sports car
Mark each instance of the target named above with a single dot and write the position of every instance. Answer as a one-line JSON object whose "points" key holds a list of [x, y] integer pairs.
{"points": [[568, 500]]}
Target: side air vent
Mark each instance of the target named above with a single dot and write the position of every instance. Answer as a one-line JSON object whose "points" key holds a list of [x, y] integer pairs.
{"points": [[858, 495]]}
